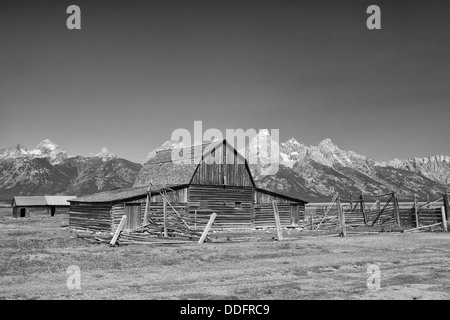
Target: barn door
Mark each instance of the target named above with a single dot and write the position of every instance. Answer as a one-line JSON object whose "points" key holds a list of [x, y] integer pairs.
{"points": [[133, 213]]}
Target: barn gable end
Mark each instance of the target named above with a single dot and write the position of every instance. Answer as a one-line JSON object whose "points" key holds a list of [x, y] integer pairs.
{"points": [[223, 165]]}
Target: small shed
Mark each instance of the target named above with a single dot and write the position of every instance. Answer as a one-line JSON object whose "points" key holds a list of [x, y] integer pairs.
{"points": [[23, 206]]}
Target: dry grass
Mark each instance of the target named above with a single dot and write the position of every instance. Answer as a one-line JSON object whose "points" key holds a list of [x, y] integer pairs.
{"points": [[35, 253]]}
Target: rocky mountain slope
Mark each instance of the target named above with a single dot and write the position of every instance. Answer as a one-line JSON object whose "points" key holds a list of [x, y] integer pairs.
{"points": [[325, 169], [49, 170]]}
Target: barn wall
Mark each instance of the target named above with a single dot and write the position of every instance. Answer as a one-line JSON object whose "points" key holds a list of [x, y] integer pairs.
{"points": [[291, 212], [265, 198], [290, 215], [172, 196], [31, 211], [117, 211], [39, 211], [156, 212], [62, 210], [222, 201], [92, 216], [265, 218], [222, 167], [177, 198]]}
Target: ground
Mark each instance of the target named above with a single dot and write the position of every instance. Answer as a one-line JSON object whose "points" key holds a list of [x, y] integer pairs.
{"points": [[36, 252]]}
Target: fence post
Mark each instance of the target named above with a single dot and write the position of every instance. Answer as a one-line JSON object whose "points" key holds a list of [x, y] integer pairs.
{"points": [[444, 219], [195, 220], [277, 220], [446, 204], [118, 230], [416, 212], [361, 198], [208, 226], [147, 204], [396, 209], [341, 218], [166, 235]]}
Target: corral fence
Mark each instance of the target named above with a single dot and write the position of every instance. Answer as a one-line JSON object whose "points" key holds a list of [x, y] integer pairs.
{"points": [[385, 211]]}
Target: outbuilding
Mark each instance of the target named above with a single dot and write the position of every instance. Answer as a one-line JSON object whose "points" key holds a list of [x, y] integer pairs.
{"points": [[24, 206]]}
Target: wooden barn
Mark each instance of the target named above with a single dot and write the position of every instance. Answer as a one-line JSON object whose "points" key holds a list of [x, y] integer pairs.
{"points": [[193, 191], [47, 205]]}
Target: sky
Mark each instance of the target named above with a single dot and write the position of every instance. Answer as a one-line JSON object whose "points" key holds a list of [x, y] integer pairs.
{"points": [[138, 70]]}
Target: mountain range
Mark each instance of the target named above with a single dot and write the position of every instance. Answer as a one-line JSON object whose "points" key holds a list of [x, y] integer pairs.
{"points": [[314, 173], [49, 170], [319, 171]]}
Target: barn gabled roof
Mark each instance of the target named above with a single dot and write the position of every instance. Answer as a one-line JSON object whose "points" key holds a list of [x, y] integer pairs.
{"points": [[41, 201], [161, 169]]}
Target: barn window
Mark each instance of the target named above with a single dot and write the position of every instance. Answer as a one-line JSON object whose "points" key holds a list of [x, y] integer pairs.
{"points": [[238, 205], [203, 204]]}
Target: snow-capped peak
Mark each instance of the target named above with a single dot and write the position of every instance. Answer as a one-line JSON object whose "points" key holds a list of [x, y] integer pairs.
{"points": [[327, 144], [14, 152], [293, 141], [45, 149], [49, 150], [47, 144], [104, 154]]}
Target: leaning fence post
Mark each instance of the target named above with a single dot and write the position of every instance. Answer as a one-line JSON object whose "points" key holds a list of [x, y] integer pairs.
{"points": [[277, 220], [208, 226], [444, 220], [118, 230]]}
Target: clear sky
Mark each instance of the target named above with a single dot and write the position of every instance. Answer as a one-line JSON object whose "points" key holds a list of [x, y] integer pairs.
{"points": [[137, 70]]}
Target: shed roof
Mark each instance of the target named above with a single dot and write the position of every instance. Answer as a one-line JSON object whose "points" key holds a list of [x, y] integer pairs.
{"points": [[117, 195], [282, 194], [41, 201]]}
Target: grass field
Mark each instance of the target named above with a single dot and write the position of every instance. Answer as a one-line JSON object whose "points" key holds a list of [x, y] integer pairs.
{"points": [[36, 252]]}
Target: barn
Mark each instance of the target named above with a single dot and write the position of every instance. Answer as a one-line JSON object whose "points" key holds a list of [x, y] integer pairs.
{"points": [[47, 205], [193, 190]]}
